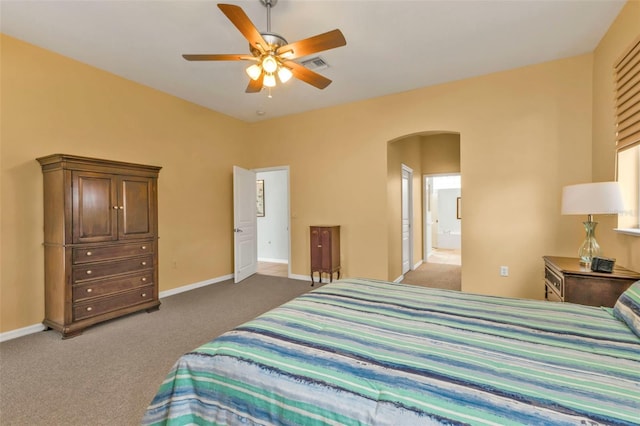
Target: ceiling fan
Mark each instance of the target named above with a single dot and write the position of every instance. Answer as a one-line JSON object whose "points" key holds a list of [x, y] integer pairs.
{"points": [[272, 54]]}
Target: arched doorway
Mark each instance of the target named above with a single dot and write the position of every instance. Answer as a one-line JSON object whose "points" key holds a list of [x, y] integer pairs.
{"points": [[427, 153]]}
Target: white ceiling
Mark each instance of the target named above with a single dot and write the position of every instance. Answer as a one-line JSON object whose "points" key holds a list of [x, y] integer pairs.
{"points": [[392, 46]]}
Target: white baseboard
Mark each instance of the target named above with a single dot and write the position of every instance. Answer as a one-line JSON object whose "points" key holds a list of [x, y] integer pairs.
{"points": [[35, 328], [193, 286], [324, 280], [267, 259], [300, 277], [20, 332], [401, 277]]}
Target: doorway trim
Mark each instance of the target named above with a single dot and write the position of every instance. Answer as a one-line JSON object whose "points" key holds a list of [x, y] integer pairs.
{"points": [[406, 252], [427, 221], [288, 210]]}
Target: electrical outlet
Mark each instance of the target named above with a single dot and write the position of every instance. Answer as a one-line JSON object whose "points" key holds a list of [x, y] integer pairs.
{"points": [[504, 271]]}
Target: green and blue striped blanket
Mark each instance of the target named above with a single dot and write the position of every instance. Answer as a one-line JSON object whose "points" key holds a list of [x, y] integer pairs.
{"points": [[365, 352]]}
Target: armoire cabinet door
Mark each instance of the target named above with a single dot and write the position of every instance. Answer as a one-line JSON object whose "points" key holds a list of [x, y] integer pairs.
{"points": [[316, 249], [95, 209], [137, 197], [325, 242], [110, 207]]}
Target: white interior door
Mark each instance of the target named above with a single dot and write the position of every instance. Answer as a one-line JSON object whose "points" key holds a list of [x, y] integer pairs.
{"points": [[407, 240], [245, 238], [428, 218]]}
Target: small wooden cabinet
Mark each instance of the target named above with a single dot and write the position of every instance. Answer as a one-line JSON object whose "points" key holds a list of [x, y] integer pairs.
{"points": [[568, 281], [325, 251], [100, 240]]}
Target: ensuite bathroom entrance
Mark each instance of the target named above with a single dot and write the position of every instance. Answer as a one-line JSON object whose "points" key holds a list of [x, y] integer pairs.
{"points": [[443, 218]]}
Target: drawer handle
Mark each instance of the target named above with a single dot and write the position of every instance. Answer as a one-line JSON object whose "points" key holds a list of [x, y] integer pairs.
{"points": [[115, 207], [144, 294], [89, 253], [143, 279], [89, 309], [121, 207], [89, 290], [319, 246], [143, 247], [89, 272], [143, 263]]}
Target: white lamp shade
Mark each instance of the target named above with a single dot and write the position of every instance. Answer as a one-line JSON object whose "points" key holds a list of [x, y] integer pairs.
{"points": [[269, 64], [254, 71], [284, 74], [592, 198], [269, 80]]}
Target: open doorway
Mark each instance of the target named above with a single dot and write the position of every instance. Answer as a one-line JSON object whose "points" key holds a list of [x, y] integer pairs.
{"points": [[443, 219], [272, 189], [442, 265]]}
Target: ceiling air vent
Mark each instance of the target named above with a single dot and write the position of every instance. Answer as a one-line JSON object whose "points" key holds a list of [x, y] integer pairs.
{"points": [[315, 64]]}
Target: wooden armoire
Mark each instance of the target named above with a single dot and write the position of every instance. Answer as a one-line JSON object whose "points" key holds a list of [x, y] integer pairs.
{"points": [[100, 240], [325, 251]]}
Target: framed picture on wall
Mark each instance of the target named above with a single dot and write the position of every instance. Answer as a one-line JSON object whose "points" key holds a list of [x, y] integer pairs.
{"points": [[260, 197]]}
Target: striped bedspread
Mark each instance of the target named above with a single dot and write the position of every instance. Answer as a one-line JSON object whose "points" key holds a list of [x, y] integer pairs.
{"points": [[365, 352]]}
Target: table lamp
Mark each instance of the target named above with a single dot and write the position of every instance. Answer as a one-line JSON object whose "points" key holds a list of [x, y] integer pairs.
{"points": [[590, 199]]}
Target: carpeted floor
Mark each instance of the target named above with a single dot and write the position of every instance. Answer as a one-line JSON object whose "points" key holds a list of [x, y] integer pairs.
{"points": [[436, 275], [109, 374]]}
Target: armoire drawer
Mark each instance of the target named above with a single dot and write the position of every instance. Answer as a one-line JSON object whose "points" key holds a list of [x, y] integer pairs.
{"points": [[111, 303], [98, 288], [95, 254], [92, 271]]}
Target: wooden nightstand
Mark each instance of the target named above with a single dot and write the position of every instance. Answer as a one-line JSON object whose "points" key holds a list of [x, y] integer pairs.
{"points": [[565, 280]]}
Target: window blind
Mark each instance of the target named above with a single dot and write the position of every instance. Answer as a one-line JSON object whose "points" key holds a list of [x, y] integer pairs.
{"points": [[627, 97]]}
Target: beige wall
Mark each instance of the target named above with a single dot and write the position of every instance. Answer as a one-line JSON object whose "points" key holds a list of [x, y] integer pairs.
{"points": [[625, 29], [523, 135], [51, 104], [405, 151], [440, 153]]}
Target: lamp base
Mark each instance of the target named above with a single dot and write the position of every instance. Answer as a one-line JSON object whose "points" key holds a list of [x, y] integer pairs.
{"points": [[590, 247]]}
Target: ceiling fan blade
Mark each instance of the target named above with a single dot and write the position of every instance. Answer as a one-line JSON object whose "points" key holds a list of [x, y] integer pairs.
{"points": [[223, 57], [242, 22], [305, 74], [255, 86], [325, 41]]}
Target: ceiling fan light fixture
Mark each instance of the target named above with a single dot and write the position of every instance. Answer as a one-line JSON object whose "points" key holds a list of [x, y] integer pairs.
{"points": [[271, 51], [269, 64], [269, 80], [284, 74], [254, 71]]}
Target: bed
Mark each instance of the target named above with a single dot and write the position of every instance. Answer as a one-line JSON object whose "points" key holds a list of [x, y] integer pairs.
{"points": [[367, 352]]}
